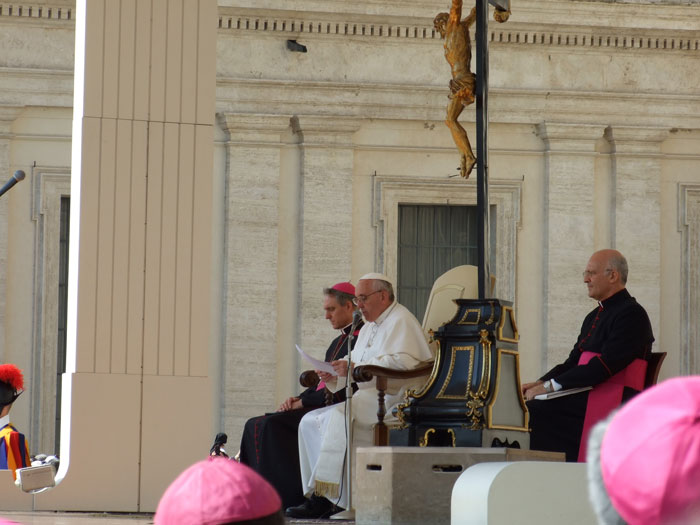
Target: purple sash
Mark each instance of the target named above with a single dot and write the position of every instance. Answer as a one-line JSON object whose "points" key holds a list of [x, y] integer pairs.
{"points": [[607, 396]]}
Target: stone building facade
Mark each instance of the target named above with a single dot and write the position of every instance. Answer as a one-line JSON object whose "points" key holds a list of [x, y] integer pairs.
{"points": [[594, 142]]}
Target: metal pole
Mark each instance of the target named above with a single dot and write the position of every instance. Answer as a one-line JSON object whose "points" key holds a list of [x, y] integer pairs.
{"points": [[482, 168], [349, 512], [348, 422]]}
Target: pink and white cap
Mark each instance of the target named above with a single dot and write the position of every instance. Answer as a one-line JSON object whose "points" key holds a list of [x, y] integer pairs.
{"points": [[215, 491], [650, 455], [345, 287]]}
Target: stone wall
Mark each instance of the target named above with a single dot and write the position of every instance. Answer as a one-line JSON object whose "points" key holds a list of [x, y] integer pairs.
{"points": [[594, 134], [588, 105]]}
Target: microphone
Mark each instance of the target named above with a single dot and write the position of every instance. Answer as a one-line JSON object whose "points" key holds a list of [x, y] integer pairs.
{"points": [[219, 441], [17, 177], [356, 318]]}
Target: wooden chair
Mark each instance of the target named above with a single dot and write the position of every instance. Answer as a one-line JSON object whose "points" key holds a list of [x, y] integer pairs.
{"points": [[653, 368], [309, 379], [367, 373], [650, 378]]}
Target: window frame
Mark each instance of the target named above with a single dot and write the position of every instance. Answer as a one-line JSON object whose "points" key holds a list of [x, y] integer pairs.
{"points": [[49, 186], [435, 239], [504, 198]]}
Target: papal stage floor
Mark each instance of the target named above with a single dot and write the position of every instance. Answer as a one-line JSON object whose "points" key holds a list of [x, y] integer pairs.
{"points": [[86, 518]]}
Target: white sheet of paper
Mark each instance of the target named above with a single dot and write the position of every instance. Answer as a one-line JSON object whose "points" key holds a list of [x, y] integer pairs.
{"points": [[318, 365], [562, 393]]}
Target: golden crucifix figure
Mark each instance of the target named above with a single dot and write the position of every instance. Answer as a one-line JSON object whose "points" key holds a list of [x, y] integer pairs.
{"points": [[458, 53]]}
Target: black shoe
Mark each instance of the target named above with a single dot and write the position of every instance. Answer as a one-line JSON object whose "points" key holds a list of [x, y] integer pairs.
{"points": [[314, 508]]}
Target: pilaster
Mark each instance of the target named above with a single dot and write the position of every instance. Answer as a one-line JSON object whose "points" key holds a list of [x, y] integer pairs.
{"points": [[253, 171], [327, 159], [689, 225], [8, 114], [636, 209], [570, 153]]}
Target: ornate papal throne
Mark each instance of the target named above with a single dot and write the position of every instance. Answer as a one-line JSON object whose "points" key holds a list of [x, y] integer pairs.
{"points": [[472, 397], [472, 394]]}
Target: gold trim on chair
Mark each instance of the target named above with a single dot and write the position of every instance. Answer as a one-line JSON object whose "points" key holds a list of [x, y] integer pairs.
{"points": [[511, 315], [476, 400], [493, 314], [423, 442], [485, 380], [418, 393], [454, 437], [441, 394], [474, 411], [526, 413], [431, 379], [468, 311]]}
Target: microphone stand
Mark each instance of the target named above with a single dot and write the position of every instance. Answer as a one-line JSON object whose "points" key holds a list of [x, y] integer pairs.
{"points": [[349, 512]]}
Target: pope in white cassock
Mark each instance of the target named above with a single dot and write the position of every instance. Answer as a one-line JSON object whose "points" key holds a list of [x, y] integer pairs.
{"points": [[392, 338]]}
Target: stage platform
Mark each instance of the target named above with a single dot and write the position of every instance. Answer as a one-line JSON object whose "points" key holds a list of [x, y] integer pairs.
{"points": [[104, 518]]}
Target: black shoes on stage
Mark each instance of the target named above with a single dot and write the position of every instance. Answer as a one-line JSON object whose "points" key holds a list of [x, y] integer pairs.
{"points": [[314, 508]]}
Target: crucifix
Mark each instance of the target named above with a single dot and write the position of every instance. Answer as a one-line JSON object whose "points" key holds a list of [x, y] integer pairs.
{"points": [[465, 88], [473, 397]]}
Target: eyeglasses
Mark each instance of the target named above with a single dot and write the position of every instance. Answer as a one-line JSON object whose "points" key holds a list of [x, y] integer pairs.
{"points": [[589, 273], [363, 298]]}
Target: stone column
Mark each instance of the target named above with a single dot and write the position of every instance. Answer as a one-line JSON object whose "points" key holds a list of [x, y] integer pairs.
{"points": [[636, 210], [569, 232], [689, 225], [254, 161], [136, 397], [7, 117], [327, 159]]}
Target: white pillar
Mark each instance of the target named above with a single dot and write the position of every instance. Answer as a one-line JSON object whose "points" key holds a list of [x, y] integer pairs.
{"points": [[137, 401]]}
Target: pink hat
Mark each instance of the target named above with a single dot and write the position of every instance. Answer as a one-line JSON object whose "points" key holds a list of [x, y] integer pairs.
{"points": [[650, 455], [217, 490], [347, 288]]}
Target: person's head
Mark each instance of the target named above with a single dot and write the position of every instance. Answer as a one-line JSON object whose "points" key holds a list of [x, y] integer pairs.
{"points": [[644, 460], [11, 386], [219, 491], [338, 304], [605, 274], [374, 295], [440, 23]]}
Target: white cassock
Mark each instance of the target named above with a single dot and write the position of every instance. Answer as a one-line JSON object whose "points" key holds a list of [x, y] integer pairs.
{"points": [[394, 340]]}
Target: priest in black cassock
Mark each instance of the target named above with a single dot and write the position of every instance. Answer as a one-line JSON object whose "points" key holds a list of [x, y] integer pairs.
{"points": [[609, 355], [270, 443]]}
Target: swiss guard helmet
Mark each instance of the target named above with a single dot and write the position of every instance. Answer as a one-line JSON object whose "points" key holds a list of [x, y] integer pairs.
{"points": [[11, 384]]}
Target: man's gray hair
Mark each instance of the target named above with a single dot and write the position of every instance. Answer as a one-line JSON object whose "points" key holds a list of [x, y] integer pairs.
{"points": [[383, 286], [597, 493], [342, 297], [619, 264]]}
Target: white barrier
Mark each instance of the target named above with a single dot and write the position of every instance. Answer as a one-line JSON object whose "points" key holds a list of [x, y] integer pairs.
{"points": [[523, 493]]}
